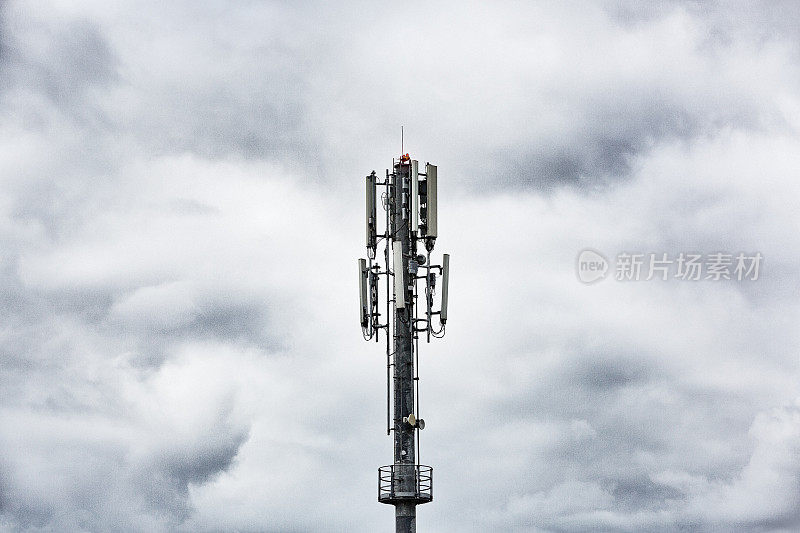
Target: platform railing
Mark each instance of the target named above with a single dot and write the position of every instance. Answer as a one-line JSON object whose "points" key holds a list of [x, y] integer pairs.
{"points": [[405, 482]]}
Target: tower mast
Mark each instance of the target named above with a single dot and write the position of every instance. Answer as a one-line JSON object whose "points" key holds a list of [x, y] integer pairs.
{"points": [[405, 456], [410, 205]]}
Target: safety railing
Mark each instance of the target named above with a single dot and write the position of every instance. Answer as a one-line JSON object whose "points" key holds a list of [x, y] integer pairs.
{"points": [[405, 482]]}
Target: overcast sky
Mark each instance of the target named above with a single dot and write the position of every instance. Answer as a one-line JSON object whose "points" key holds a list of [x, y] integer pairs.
{"points": [[181, 202]]}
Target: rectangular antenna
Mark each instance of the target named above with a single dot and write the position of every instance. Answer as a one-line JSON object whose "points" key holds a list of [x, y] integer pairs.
{"points": [[445, 279], [430, 179], [414, 196], [371, 217], [399, 282], [362, 293]]}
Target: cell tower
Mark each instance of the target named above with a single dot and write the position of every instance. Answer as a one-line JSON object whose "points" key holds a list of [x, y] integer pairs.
{"points": [[409, 203]]}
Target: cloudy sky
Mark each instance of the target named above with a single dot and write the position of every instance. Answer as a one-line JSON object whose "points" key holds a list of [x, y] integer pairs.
{"points": [[181, 188]]}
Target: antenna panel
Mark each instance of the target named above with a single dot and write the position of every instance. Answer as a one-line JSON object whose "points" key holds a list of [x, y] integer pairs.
{"points": [[414, 196], [445, 279], [362, 293], [399, 282], [430, 171], [371, 217]]}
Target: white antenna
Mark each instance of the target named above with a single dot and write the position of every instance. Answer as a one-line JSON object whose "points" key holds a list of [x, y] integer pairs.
{"points": [[445, 279], [431, 228], [362, 293], [399, 270], [414, 196], [371, 217]]}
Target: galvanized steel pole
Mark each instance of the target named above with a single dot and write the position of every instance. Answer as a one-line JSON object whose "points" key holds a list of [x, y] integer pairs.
{"points": [[404, 448]]}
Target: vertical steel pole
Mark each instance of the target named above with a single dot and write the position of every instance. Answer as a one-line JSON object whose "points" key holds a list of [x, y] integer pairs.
{"points": [[404, 449]]}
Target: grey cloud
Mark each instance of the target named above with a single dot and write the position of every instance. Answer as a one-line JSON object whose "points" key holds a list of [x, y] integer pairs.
{"points": [[605, 146], [275, 100], [78, 57], [232, 323], [202, 466], [207, 457], [229, 322], [600, 372], [643, 493], [585, 124], [61, 64], [244, 106], [106, 479]]}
